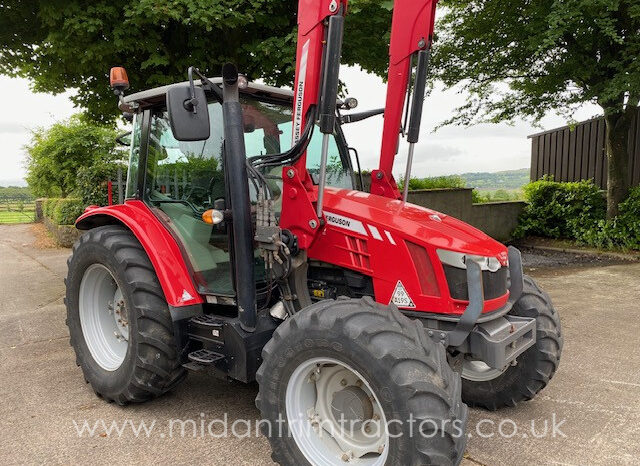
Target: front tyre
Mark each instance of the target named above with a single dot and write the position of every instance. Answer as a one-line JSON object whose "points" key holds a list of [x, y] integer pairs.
{"points": [[118, 319], [352, 380], [492, 389]]}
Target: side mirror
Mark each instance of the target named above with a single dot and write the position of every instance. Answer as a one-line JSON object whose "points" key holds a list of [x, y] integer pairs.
{"points": [[188, 113]]}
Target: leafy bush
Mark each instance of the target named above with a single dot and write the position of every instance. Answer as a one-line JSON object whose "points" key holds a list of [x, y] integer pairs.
{"points": [[92, 181], [55, 155], [67, 210], [561, 210], [623, 231]]}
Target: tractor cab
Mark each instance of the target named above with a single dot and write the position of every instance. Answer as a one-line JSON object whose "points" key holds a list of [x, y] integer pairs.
{"points": [[181, 180]]}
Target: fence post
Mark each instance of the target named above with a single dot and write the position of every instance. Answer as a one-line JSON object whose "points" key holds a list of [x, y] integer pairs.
{"points": [[110, 192]]}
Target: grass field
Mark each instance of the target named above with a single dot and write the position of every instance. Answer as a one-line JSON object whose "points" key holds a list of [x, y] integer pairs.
{"points": [[16, 212]]}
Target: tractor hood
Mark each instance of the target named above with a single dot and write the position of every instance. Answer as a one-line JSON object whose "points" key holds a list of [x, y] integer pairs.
{"points": [[401, 246], [408, 221]]}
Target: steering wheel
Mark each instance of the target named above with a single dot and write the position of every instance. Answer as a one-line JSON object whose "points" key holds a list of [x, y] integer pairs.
{"points": [[198, 194]]}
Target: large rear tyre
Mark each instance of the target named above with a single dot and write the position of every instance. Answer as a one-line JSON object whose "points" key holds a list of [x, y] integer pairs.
{"points": [[340, 373], [118, 318], [492, 388]]}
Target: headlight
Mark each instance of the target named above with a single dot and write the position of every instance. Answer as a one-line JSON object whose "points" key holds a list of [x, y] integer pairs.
{"points": [[459, 260]]}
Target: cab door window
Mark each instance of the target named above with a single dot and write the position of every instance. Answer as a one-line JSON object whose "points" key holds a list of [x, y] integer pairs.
{"points": [[183, 180]]}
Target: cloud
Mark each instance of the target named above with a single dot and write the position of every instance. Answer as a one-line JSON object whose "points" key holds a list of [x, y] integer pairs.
{"points": [[10, 127], [430, 151], [520, 131]]}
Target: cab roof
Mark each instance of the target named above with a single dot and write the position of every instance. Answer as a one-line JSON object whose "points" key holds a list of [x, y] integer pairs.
{"points": [[157, 95]]}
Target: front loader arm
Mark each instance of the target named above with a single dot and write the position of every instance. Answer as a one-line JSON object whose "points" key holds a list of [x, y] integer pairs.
{"points": [[411, 32], [300, 211], [312, 30]]}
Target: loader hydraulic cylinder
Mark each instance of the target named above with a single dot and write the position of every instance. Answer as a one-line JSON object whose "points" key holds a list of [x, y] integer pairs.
{"points": [[329, 97], [415, 119]]}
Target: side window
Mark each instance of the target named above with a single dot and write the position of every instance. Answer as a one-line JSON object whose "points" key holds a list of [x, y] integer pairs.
{"points": [[188, 172], [134, 158]]}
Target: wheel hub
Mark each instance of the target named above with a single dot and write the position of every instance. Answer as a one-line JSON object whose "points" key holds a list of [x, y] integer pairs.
{"points": [[346, 421], [103, 317], [121, 316], [351, 406]]}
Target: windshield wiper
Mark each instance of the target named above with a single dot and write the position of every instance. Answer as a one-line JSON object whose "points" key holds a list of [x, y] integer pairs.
{"points": [[353, 117]]}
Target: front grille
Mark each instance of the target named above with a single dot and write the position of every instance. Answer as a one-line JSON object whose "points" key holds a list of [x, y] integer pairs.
{"points": [[494, 283]]}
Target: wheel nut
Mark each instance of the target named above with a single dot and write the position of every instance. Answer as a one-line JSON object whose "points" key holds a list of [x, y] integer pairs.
{"points": [[343, 382], [345, 457]]}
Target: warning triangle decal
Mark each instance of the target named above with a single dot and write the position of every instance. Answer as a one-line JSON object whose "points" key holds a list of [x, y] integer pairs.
{"points": [[401, 298]]}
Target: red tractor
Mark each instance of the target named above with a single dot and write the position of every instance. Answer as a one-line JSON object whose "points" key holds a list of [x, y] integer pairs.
{"points": [[247, 246]]}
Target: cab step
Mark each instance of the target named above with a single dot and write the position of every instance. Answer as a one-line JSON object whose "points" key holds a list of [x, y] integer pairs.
{"points": [[205, 357], [207, 329]]}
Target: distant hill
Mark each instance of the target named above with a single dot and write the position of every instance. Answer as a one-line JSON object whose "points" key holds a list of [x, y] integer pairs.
{"points": [[507, 179]]}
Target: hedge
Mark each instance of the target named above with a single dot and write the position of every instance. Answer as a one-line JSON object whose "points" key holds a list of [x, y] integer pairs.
{"points": [[67, 210], [48, 205], [623, 231], [561, 210], [577, 211], [63, 211]]}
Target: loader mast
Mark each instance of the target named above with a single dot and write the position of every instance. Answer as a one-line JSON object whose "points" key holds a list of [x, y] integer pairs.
{"points": [[411, 34], [320, 30], [311, 74], [320, 27]]}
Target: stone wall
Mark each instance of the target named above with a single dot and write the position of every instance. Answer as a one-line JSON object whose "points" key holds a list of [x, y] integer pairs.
{"points": [[64, 235], [497, 219]]}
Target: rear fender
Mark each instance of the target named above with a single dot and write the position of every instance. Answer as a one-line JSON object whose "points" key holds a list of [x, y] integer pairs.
{"points": [[161, 247]]}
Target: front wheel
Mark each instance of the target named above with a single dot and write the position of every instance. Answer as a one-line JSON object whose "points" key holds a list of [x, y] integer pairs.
{"points": [[351, 380], [492, 389]]}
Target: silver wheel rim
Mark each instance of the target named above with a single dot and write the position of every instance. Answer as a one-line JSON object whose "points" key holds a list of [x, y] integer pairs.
{"points": [[317, 391], [103, 317], [478, 371]]}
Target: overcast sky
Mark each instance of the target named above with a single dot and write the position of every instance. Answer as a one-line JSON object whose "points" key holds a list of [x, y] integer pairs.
{"points": [[450, 150]]}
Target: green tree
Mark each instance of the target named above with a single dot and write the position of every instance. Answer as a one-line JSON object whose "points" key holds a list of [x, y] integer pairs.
{"points": [[72, 44], [55, 155], [524, 59]]}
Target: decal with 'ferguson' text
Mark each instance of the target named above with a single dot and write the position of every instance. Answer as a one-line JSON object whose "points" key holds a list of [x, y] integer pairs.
{"points": [[345, 222]]}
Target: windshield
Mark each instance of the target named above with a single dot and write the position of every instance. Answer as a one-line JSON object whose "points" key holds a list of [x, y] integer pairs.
{"points": [[172, 164]]}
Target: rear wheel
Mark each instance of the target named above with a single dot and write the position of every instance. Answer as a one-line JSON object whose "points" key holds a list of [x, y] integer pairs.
{"points": [[492, 389], [351, 380], [118, 318]]}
